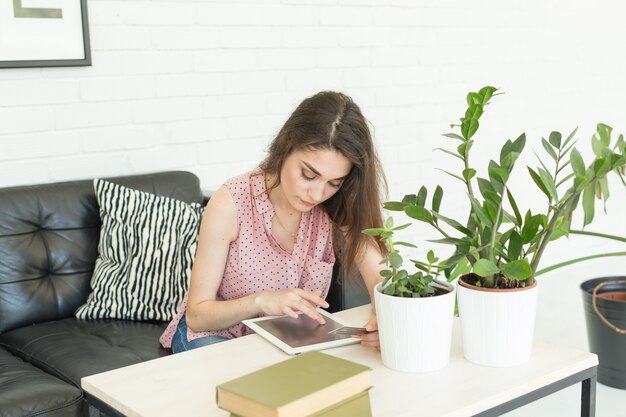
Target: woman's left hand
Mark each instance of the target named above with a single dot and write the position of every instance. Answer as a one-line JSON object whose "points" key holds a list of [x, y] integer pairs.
{"points": [[370, 339]]}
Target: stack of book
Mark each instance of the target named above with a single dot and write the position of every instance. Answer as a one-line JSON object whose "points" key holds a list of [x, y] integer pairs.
{"points": [[311, 384]]}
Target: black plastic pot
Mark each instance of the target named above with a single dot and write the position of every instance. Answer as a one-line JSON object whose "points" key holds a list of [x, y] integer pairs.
{"points": [[607, 338]]}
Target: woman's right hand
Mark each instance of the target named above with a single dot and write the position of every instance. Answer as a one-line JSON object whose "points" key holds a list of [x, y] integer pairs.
{"points": [[289, 302]]}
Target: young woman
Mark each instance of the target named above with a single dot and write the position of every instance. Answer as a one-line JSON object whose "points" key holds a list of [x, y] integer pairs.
{"points": [[266, 240]]}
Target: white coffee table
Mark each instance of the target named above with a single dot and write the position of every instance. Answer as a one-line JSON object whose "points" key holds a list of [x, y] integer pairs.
{"points": [[184, 384]]}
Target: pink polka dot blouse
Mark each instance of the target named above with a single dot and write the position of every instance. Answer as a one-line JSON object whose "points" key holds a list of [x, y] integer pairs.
{"points": [[257, 262]]}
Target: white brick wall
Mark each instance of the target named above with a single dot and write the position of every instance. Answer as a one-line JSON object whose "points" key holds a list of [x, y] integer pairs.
{"points": [[204, 85]]}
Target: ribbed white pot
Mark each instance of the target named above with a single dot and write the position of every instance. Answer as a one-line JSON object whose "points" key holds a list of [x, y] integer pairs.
{"points": [[497, 325], [415, 333]]}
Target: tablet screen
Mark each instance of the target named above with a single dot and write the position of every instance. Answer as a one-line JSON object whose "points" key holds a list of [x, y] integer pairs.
{"points": [[302, 331], [301, 334]]}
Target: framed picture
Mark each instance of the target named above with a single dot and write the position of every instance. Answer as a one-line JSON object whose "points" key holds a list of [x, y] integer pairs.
{"points": [[44, 33]]}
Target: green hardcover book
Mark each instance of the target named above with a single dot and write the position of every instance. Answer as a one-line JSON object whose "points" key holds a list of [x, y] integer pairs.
{"points": [[299, 386], [357, 406]]}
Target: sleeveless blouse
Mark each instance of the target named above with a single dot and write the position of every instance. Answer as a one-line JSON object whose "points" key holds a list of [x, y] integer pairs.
{"points": [[257, 262]]}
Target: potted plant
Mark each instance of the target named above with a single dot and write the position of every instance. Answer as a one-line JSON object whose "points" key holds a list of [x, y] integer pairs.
{"points": [[414, 311], [498, 247], [604, 304]]}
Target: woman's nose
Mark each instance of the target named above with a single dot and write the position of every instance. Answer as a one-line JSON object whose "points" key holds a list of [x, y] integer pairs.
{"points": [[316, 193]]}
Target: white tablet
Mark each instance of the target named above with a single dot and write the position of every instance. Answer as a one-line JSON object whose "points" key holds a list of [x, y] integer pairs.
{"points": [[302, 334]]}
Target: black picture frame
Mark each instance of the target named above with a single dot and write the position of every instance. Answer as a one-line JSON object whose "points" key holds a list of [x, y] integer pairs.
{"points": [[84, 60]]}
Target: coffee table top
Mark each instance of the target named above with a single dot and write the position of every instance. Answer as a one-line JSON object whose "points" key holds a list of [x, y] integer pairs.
{"points": [[184, 383]]}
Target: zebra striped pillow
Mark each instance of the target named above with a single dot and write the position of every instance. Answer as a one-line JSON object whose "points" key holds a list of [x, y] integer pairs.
{"points": [[146, 249]]}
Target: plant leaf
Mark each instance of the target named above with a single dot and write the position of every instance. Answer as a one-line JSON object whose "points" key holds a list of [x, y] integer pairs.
{"points": [[454, 136], [485, 268], [451, 174], [485, 187], [437, 196], [518, 215], [421, 196], [464, 148], [555, 139], [530, 228], [407, 244], [516, 146], [449, 153], [497, 175], [561, 229], [474, 111], [461, 267], [566, 150], [540, 161], [519, 270], [389, 222], [601, 166], [469, 173], [469, 127], [390, 289], [537, 179], [604, 187], [450, 241], [395, 260], [418, 213], [604, 131], [410, 199], [548, 182], [570, 175], [493, 197], [451, 222], [474, 98], [549, 149], [588, 203], [394, 205], [487, 93], [578, 165], [403, 226], [373, 231], [570, 137], [509, 160], [515, 245], [479, 211]]}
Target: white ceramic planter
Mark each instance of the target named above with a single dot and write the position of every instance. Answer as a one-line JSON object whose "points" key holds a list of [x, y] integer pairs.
{"points": [[415, 333], [497, 326]]}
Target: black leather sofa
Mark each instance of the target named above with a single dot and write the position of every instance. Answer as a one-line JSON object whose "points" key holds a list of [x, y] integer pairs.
{"points": [[48, 246]]}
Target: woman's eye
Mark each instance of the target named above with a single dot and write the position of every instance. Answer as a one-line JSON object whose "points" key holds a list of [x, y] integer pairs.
{"points": [[336, 185], [307, 177]]}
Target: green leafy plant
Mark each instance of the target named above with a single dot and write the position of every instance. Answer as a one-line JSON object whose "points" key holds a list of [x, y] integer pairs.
{"points": [[500, 244], [398, 282]]}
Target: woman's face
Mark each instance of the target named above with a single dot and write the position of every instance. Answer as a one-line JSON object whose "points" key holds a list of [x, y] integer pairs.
{"points": [[310, 177]]}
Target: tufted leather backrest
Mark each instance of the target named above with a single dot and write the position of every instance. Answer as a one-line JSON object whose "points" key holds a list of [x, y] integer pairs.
{"points": [[49, 243]]}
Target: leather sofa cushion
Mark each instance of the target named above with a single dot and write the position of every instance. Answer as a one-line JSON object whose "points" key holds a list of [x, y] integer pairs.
{"points": [[49, 243], [71, 349], [28, 391]]}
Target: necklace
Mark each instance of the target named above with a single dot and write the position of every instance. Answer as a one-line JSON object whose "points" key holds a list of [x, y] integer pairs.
{"points": [[294, 236]]}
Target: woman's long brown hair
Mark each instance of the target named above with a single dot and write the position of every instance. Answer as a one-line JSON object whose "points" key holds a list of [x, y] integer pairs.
{"points": [[331, 120]]}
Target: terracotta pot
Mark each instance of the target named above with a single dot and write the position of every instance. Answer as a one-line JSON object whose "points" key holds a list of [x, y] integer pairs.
{"points": [[497, 325]]}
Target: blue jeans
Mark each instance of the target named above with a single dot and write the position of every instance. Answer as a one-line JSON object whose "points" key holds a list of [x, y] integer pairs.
{"points": [[181, 344]]}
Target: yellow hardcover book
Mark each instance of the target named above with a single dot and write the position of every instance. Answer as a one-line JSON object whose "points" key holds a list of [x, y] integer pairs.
{"points": [[300, 386], [357, 406]]}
